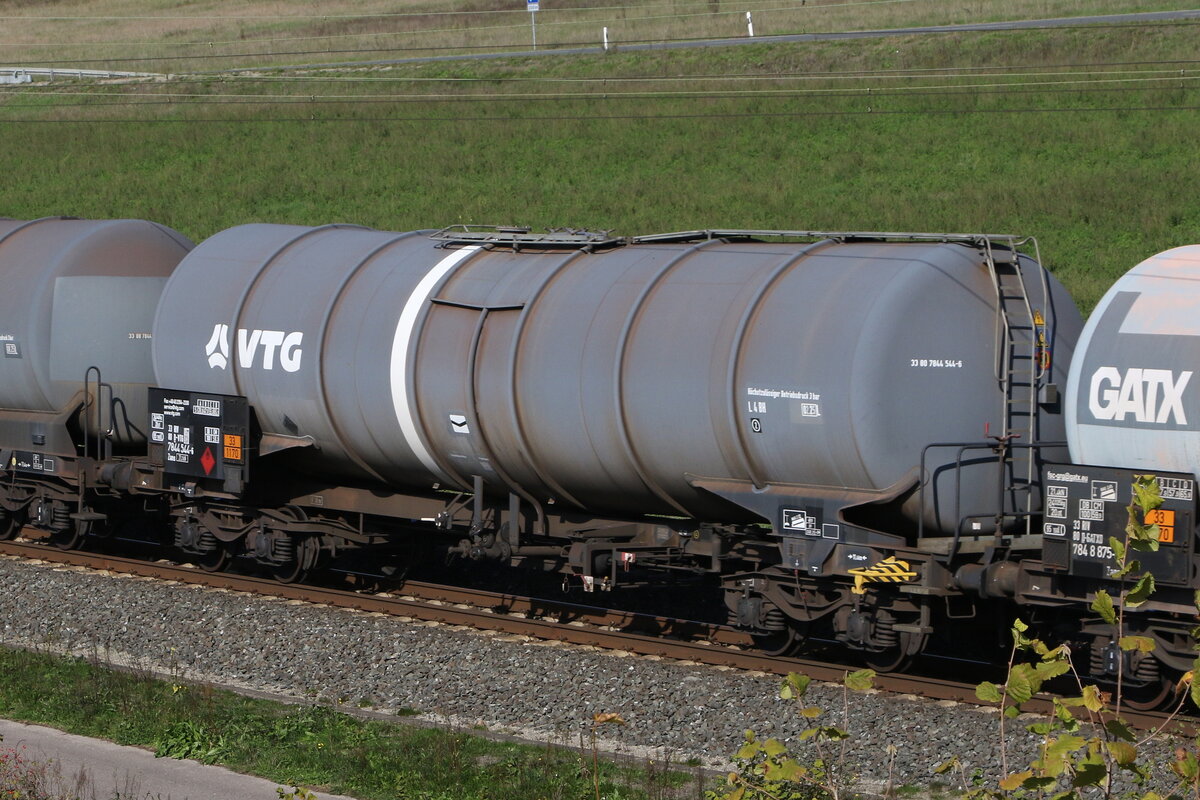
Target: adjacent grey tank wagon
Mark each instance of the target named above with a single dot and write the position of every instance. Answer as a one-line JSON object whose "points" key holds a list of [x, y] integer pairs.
{"points": [[79, 293], [78, 300], [1133, 408], [843, 432]]}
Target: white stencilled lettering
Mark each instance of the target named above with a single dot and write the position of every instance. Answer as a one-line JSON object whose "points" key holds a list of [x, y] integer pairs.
{"points": [[290, 352], [247, 345], [217, 348], [276, 346], [1149, 395]]}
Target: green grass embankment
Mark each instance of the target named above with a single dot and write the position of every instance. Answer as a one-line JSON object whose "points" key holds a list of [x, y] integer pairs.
{"points": [[310, 745], [1099, 162]]}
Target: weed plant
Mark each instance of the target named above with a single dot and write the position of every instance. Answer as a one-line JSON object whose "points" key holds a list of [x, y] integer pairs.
{"points": [[24, 777]]}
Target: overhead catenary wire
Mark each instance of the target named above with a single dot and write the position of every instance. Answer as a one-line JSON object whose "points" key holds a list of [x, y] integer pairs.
{"points": [[1078, 82], [630, 86], [897, 74], [608, 99], [954, 89], [991, 80], [589, 117], [810, 74]]}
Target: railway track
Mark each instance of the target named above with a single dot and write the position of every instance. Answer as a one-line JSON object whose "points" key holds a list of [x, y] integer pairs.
{"points": [[538, 618]]}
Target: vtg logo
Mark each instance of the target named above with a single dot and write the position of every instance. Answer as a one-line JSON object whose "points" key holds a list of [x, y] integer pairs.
{"points": [[248, 342], [1150, 395]]}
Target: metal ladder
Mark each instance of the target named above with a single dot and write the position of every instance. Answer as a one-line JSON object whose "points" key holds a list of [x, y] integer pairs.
{"points": [[1020, 347]]}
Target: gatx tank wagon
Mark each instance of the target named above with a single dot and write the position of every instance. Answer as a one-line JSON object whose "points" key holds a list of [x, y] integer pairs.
{"points": [[845, 433]]}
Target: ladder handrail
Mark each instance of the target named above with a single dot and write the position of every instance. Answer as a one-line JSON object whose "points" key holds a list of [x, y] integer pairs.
{"points": [[1007, 346], [103, 433]]}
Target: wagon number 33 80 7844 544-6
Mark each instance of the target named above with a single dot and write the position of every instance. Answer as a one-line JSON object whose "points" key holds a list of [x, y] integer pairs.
{"points": [[936, 362]]}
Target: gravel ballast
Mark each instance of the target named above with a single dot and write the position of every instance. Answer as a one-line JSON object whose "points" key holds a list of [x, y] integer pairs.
{"points": [[536, 690]]}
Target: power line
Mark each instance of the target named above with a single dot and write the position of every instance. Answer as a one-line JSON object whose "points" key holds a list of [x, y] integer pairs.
{"points": [[194, 101], [944, 73], [955, 89], [966, 78], [814, 75]]}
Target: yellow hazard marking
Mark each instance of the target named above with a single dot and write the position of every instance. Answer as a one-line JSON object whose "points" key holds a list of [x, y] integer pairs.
{"points": [[890, 570], [1043, 347]]}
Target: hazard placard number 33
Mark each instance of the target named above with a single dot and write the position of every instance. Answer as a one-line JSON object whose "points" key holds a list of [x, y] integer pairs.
{"points": [[1165, 520]]}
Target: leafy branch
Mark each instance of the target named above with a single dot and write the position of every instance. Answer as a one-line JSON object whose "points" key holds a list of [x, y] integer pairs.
{"points": [[766, 769]]}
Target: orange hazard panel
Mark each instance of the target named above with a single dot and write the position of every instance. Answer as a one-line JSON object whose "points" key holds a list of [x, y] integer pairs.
{"points": [[1165, 520], [233, 447]]}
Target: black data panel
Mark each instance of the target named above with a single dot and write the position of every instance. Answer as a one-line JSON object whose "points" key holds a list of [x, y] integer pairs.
{"points": [[27, 461], [198, 435], [1086, 506]]}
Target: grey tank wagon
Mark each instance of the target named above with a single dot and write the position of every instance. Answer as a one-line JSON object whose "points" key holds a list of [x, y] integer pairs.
{"points": [[841, 430]]}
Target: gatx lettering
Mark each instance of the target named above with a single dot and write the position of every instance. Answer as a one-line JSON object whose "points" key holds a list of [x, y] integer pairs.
{"points": [[274, 345], [1148, 395]]}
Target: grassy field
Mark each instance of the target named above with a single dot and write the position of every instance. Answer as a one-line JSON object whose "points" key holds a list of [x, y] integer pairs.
{"points": [[310, 745], [173, 35], [1083, 137]]}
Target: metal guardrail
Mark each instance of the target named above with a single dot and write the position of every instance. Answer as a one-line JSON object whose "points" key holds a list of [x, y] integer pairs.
{"points": [[519, 236], [1008, 244], [14, 75]]}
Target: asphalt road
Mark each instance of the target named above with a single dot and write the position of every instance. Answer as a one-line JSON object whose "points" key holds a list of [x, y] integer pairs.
{"points": [[979, 27], [93, 767]]}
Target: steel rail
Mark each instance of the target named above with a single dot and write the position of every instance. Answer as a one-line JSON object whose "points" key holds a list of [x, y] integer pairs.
{"points": [[708, 644]]}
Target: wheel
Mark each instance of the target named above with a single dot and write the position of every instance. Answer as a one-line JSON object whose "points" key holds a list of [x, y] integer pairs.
{"points": [[897, 658], [199, 545], [291, 572], [302, 564], [11, 523], [1147, 685], [71, 538], [779, 643], [215, 560], [1150, 696], [894, 659]]}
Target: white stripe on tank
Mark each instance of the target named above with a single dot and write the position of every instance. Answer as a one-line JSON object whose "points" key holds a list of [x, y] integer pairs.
{"points": [[404, 404]]}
